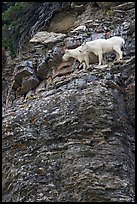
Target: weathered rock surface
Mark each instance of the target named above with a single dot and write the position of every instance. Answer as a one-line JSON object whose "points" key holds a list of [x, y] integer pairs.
{"points": [[45, 37], [71, 137], [80, 156], [26, 71], [29, 83]]}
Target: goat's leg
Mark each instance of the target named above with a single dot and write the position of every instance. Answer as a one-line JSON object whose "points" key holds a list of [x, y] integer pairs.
{"points": [[87, 61], [82, 63], [104, 59], [117, 56], [100, 59], [84, 66], [118, 53]]}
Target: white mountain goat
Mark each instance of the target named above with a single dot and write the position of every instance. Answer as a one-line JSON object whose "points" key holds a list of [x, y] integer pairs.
{"points": [[84, 57], [103, 46]]}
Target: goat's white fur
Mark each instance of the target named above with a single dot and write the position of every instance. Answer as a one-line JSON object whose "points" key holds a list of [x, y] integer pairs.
{"points": [[103, 46], [83, 57]]}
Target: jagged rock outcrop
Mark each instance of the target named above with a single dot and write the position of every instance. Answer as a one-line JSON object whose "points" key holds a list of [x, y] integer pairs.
{"points": [[45, 37], [70, 135]]}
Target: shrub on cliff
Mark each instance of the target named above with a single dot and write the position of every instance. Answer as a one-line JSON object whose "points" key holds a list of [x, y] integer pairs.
{"points": [[13, 21]]}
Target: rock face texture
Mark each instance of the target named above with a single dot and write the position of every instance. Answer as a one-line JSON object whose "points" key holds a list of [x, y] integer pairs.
{"points": [[68, 135], [46, 37]]}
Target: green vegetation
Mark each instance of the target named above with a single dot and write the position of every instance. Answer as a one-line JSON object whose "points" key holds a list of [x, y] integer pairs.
{"points": [[13, 23], [109, 12]]}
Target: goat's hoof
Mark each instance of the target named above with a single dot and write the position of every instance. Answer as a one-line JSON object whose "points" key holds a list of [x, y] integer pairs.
{"points": [[104, 66], [97, 66]]}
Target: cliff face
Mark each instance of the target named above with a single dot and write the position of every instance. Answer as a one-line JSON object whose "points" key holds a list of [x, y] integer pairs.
{"points": [[68, 135]]}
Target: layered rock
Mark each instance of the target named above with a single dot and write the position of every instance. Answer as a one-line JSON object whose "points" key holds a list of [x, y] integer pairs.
{"points": [[75, 146], [69, 136], [45, 37]]}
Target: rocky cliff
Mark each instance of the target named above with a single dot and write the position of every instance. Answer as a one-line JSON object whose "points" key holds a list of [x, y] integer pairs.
{"points": [[68, 135]]}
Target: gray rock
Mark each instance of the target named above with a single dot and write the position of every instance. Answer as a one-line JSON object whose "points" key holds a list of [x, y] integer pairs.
{"points": [[26, 63], [74, 141], [42, 68], [45, 37], [31, 93], [41, 87], [24, 72], [29, 83], [125, 6]]}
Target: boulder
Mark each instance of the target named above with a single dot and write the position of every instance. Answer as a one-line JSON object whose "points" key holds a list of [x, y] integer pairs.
{"points": [[29, 83], [25, 63], [45, 37], [15, 85], [42, 70], [24, 72]]}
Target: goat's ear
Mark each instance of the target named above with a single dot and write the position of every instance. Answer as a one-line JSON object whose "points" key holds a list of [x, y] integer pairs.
{"points": [[66, 50]]}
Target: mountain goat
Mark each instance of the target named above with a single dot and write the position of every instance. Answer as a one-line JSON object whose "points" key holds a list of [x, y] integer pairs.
{"points": [[103, 46], [82, 57]]}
